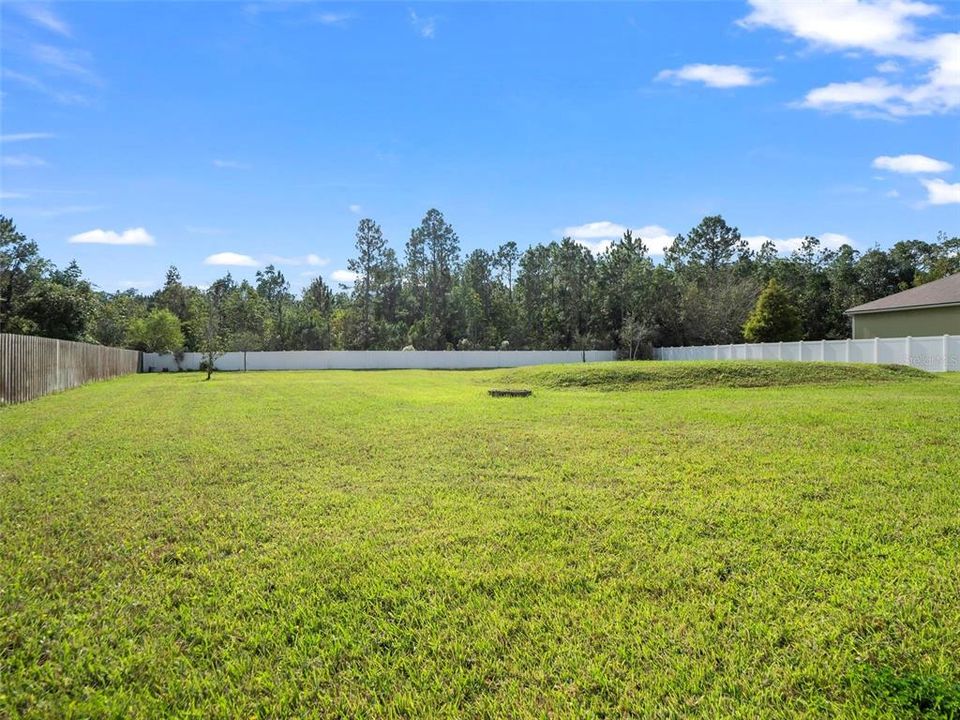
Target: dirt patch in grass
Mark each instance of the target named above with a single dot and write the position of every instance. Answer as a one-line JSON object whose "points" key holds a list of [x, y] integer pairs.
{"points": [[509, 392]]}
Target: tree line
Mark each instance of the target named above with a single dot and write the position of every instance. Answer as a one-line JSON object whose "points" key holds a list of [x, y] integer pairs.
{"points": [[710, 288]]}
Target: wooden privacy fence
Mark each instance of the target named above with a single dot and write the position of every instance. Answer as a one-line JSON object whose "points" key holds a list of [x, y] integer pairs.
{"points": [[34, 366]]}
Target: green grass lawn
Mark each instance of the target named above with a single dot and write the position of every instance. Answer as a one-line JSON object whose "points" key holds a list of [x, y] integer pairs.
{"points": [[382, 544]]}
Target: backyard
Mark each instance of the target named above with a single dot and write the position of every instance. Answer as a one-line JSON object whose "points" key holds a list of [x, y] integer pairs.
{"points": [[647, 539]]}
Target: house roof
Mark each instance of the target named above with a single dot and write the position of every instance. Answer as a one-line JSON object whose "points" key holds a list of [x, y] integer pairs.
{"points": [[945, 291]]}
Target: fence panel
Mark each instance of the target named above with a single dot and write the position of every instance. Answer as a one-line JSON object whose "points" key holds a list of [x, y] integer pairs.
{"points": [[374, 359], [861, 351], [927, 353], [31, 366], [834, 350], [938, 353]]}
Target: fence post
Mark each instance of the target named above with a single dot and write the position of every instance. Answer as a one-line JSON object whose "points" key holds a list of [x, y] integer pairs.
{"points": [[716, 352], [907, 350], [823, 350], [800, 351], [846, 350], [946, 349], [780, 350], [876, 351]]}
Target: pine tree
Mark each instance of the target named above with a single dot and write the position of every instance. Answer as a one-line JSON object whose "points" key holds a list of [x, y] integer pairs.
{"points": [[368, 267], [436, 245]]}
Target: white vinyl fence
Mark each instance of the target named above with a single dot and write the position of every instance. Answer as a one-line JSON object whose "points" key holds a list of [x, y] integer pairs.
{"points": [[375, 359], [940, 353]]}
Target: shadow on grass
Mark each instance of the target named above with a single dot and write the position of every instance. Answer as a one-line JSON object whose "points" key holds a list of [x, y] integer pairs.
{"points": [[910, 695]]}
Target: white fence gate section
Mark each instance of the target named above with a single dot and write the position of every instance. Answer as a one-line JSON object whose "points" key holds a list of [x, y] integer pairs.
{"points": [[939, 353], [375, 359]]}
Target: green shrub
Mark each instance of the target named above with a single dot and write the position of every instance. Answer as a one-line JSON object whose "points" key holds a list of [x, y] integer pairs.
{"points": [[774, 317]]}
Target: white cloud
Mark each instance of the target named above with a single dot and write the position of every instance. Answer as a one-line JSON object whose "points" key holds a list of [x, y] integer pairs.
{"points": [[132, 236], [21, 137], [332, 18], [23, 161], [885, 28], [253, 10], [355, 209], [597, 247], [344, 276], [42, 15], [911, 164], [598, 236], [889, 67], [755, 242], [892, 194], [231, 165], [37, 85], [241, 260], [787, 245], [73, 62], [858, 97], [717, 76], [940, 192], [835, 240], [310, 259], [840, 24], [595, 230], [426, 27], [232, 259], [13, 196]]}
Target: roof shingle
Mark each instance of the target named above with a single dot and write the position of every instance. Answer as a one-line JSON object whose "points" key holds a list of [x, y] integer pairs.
{"points": [[945, 291]]}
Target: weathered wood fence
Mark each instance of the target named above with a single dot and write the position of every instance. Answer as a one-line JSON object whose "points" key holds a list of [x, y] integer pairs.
{"points": [[34, 366]]}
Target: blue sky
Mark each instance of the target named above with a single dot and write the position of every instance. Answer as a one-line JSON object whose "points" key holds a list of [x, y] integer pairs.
{"points": [[221, 136]]}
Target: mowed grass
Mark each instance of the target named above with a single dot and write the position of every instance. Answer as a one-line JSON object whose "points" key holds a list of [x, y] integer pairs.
{"points": [[399, 544]]}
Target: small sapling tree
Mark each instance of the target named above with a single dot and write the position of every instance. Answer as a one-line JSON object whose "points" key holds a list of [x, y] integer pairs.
{"points": [[211, 340], [633, 333]]}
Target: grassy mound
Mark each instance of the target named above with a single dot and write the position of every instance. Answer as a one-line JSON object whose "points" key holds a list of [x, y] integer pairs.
{"points": [[688, 374]]}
